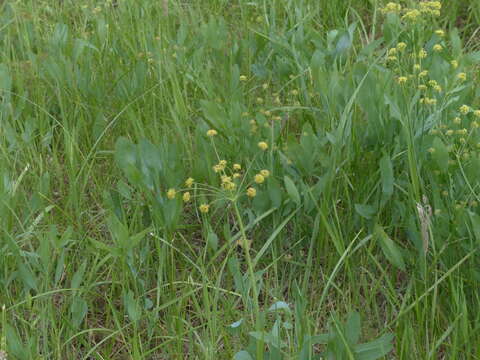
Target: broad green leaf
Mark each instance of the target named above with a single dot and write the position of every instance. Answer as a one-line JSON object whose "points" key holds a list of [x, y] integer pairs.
{"points": [[366, 211], [440, 154], [132, 306], [390, 249], [242, 355], [386, 171], [78, 276], [212, 240], [78, 310], [475, 219], [375, 349], [279, 305], [28, 277], [352, 328], [292, 190]]}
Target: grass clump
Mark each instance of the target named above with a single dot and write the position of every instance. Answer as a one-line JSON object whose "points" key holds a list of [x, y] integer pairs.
{"points": [[239, 180]]}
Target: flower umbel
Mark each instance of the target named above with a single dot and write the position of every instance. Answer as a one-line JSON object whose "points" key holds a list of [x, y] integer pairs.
{"points": [[212, 133], [171, 194], [263, 145], [251, 192]]}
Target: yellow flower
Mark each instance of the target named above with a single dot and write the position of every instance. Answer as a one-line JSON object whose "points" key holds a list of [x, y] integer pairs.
{"points": [[449, 132], [294, 92], [457, 120], [423, 73], [422, 87], [259, 100], [171, 194], [392, 58], [263, 145], [402, 79], [401, 46], [416, 67], [265, 86], [251, 192], [226, 179], [237, 167], [222, 163], [228, 185], [211, 133], [204, 208], [392, 51], [236, 175], [475, 125], [464, 109], [422, 54], [265, 173], [189, 182], [432, 83], [454, 63], [440, 32], [477, 113], [186, 196], [437, 47], [462, 76], [411, 15], [243, 78], [437, 88], [259, 178], [217, 168], [392, 7]]}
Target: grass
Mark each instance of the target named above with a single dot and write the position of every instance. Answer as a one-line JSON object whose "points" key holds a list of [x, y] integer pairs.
{"points": [[363, 227]]}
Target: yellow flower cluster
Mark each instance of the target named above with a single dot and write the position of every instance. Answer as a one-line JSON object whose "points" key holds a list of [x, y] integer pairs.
{"points": [[220, 166], [431, 7], [211, 133], [263, 145], [227, 183], [392, 7], [411, 15], [428, 101]]}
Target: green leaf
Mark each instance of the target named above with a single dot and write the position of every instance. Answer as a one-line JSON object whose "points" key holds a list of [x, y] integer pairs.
{"points": [[375, 349], [126, 158], [267, 338], [440, 154], [78, 310], [366, 211], [386, 171], [475, 219], [212, 240], [15, 345], [29, 279], [352, 328], [242, 355], [292, 190], [389, 248], [279, 305], [132, 306], [78, 276]]}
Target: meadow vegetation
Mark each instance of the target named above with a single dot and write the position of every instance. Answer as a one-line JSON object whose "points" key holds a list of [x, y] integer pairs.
{"points": [[285, 179]]}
